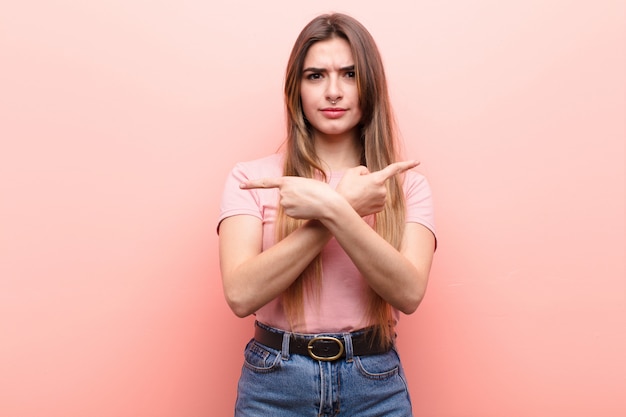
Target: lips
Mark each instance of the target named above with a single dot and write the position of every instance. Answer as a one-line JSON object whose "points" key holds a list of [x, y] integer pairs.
{"points": [[333, 112]]}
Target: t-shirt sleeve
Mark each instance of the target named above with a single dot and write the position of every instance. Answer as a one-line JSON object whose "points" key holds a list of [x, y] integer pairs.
{"points": [[419, 201], [236, 201]]}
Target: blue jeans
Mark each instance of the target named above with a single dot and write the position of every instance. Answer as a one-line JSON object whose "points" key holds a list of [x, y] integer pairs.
{"points": [[274, 383]]}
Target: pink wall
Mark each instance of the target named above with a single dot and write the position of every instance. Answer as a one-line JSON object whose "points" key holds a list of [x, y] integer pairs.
{"points": [[120, 119]]}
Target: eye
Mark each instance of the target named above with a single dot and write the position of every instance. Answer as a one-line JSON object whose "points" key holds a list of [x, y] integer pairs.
{"points": [[351, 74], [314, 76]]}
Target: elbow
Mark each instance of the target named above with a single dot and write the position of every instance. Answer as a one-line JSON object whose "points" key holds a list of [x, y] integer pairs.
{"points": [[409, 308], [239, 311], [238, 305], [241, 299], [411, 303], [413, 297]]}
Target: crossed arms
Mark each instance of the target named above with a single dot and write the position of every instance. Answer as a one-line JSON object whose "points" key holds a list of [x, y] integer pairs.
{"points": [[252, 277]]}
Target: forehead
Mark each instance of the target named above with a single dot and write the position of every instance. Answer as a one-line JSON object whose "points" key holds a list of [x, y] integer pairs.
{"points": [[330, 53]]}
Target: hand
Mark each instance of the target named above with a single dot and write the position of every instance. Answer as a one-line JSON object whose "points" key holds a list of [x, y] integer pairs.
{"points": [[366, 192], [301, 198]]}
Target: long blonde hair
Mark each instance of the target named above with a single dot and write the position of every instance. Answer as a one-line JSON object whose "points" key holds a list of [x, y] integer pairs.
{"points": [[379, 145]]}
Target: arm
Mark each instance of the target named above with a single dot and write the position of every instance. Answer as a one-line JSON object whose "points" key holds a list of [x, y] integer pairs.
{"points": [[251, 277], [399, 277]]}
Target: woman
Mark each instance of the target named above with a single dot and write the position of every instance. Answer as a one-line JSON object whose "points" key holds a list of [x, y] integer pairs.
{"points": [[328, 241]]}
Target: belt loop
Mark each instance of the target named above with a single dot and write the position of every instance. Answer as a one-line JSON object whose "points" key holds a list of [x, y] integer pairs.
{"points": [[285, 348], [347, 341]]}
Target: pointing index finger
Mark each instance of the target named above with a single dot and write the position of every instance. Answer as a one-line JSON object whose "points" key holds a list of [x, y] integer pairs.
{"points": [[397, 168], [261, 183]]}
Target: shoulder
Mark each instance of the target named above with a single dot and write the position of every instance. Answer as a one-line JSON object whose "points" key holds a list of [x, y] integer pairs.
{"points": [[416, 183], [236, 201], [268, 166], [419, 200]]}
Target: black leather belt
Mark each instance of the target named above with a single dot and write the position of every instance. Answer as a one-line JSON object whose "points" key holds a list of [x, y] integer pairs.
{"points": [[322, 348]]}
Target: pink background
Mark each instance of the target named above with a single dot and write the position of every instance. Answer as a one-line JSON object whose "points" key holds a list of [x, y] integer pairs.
{"points": [[119, 121]]}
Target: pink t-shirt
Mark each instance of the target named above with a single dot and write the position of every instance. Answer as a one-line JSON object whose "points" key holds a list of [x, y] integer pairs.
{"points": [[342, 304]]}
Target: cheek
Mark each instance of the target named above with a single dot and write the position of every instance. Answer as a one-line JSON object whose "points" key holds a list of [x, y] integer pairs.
{"points": [[308, 105], [354, 94], [359, 116]]}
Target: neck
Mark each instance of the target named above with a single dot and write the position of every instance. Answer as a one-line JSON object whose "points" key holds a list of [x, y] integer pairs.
{"points": [[338, 153]]}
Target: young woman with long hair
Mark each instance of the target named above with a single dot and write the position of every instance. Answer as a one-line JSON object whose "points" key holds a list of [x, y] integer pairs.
{"points": [[327, 241]]}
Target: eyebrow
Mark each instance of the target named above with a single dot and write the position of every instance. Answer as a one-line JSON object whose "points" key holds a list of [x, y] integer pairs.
{"points": [[313, 69]]}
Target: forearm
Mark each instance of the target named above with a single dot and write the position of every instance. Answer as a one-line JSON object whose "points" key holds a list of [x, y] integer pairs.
{"points": [[252, 283], [396, 278]]}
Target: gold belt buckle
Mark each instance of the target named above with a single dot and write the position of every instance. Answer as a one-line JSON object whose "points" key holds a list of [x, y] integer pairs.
{"points": [[325, 358]]}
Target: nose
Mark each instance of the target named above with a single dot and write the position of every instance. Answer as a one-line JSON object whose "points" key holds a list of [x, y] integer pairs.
{"points": [[333, 89]]}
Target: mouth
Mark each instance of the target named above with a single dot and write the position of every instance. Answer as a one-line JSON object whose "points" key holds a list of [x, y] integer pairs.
{"points": [[333, 112]]}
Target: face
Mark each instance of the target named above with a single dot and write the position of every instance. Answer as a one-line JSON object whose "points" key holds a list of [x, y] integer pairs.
{"points": [[328, 90]]}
